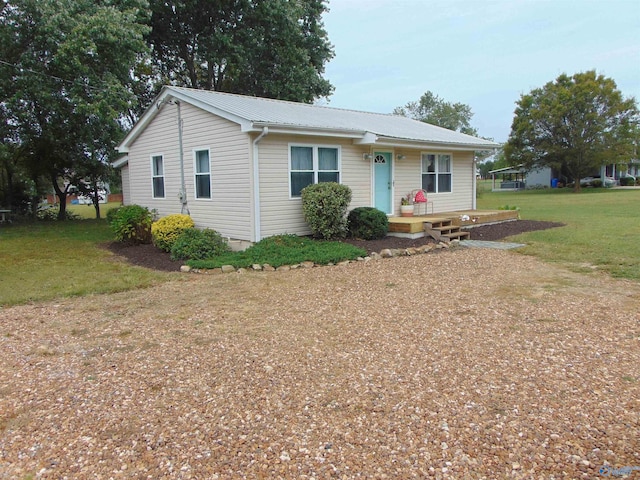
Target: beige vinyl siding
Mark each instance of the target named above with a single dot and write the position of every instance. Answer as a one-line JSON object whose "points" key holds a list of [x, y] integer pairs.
{"points": [[126, 190], [282, 214], [229, 209], [408, 177]]}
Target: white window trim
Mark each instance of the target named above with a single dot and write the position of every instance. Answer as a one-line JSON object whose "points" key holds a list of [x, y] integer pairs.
{"points": [[153, 176], [437, 173], [195, 173], [314, 147]]}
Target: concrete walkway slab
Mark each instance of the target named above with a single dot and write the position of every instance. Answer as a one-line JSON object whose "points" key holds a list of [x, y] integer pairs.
{"points": [[487, 244]]}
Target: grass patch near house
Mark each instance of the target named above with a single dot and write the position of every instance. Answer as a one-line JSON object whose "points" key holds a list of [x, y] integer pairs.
{"points": [[46, 260], [285, 250], [601, 233]]}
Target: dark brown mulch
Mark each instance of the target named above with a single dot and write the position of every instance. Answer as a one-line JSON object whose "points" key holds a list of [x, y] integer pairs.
{"points": [[150, 257]]}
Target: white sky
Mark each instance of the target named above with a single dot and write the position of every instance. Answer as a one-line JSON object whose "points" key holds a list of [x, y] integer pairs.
{"points": [[485, 53]]}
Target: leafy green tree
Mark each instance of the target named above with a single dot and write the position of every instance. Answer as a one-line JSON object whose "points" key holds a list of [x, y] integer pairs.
{"points": [[578, 122], [67, 64], [436, 111], [268, 48]]}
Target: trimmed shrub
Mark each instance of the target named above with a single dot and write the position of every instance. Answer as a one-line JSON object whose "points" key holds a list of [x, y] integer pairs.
{"points": [[324, 206], [131, 224], [166, 231], [368, 223], [111, 214], [597, 183], [627, 181], [196, 244]]}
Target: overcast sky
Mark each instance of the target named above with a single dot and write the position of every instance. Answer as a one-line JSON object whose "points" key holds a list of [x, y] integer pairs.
{"points": [[485, 53]]}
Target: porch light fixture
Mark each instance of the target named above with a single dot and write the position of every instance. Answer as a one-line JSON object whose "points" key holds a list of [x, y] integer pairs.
{"points": [[367, 156], [400, 157]]}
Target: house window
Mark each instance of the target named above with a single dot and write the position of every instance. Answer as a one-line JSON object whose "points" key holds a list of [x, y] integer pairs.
{"points": [[202, 173], [312, 164], [436, 172], [157, 176]]}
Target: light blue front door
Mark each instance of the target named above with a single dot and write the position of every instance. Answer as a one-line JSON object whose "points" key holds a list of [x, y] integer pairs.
{"points": [[382, 181]]}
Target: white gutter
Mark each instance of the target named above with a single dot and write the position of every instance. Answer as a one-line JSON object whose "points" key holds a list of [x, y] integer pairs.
{"points": [[256, 185]]}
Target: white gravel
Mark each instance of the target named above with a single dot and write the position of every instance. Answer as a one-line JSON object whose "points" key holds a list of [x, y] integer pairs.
{"points": [[467, 363]]}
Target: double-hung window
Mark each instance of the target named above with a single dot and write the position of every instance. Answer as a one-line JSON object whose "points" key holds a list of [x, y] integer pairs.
{"points": [[157, 176], [436, 172], [202, 173], [311, 164]]}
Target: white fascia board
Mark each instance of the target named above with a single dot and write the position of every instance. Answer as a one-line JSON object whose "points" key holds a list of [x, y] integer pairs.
{"points": [[141, 124], [244, 123], [165, 95], [306, 131], [121, 162], [367, 139], [395, 142]]}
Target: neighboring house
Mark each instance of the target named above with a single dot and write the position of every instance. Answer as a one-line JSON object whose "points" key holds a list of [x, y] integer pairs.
{"points": [[246, 159]]}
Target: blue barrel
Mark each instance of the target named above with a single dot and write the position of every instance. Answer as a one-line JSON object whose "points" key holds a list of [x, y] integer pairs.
{"points": [[554, 183]]}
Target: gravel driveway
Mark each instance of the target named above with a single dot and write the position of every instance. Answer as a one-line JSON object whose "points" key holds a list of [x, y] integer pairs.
{"points": [[462, 364]]}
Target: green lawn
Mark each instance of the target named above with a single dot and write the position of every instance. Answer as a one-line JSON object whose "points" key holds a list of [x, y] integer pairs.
{"points": [[602, 229], [46, 260]]}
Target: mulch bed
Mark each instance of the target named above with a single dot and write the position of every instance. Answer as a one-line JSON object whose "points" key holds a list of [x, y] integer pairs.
{"points": [[150, 257]]}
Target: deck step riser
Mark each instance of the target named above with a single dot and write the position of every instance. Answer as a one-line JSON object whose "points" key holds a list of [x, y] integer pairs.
{"points": [[444, 231]]}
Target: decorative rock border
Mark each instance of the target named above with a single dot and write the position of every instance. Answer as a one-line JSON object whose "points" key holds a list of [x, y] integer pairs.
{"points": [[386, 253]]}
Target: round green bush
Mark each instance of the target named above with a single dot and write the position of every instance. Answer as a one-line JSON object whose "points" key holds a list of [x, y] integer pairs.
{"points": [[167, 230], [131, 224], [368, 223], [324, 206], [627, 181], [195, 244]]}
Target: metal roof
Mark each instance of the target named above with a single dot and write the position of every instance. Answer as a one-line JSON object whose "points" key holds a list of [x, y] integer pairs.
{"points": [[254, 113]]}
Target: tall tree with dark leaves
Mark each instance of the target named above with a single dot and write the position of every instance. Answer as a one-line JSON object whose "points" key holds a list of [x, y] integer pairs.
{"points": [[577, 122], [69, 64], [269, 48]]}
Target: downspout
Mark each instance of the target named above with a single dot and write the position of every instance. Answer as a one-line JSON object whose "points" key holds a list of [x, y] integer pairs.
{"points": [[183, 188], [256, 185], [474, 181]]}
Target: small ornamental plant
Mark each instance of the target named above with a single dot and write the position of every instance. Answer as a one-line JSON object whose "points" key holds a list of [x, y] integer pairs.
{"points": [[167, 230], [131, 224], [324, 206], [368, 223], [195, 244]]}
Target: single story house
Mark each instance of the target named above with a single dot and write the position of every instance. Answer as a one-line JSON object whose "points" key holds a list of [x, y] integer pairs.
{"points": [[237, 164]]}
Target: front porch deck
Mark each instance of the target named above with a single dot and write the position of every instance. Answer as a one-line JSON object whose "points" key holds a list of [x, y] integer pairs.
{"points": [[413, 227]]}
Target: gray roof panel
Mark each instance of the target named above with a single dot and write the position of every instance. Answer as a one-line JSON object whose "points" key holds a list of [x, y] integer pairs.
{"points": [[278, 113]]}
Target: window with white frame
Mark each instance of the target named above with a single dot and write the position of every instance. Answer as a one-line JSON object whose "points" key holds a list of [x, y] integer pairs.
{"points": [[202, 173], [157, 176], [311, 164], [436, 172]]}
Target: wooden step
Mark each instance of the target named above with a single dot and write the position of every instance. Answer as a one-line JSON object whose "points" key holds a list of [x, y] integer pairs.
{"points": [[456, 235], [444, 231]]}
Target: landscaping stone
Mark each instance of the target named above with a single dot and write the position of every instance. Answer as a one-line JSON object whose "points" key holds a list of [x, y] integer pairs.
{"points": [[228, 268]]}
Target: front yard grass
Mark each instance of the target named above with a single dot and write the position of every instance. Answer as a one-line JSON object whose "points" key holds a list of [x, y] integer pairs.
{"points": [[602, 229], [46, 260], [43, 261]]}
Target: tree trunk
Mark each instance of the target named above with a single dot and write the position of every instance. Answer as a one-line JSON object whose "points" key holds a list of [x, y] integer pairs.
{"points": [[62, 197], [96, 201]]}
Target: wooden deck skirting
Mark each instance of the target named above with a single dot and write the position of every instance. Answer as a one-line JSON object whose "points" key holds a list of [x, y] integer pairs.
{"points": [[414, 226]]}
